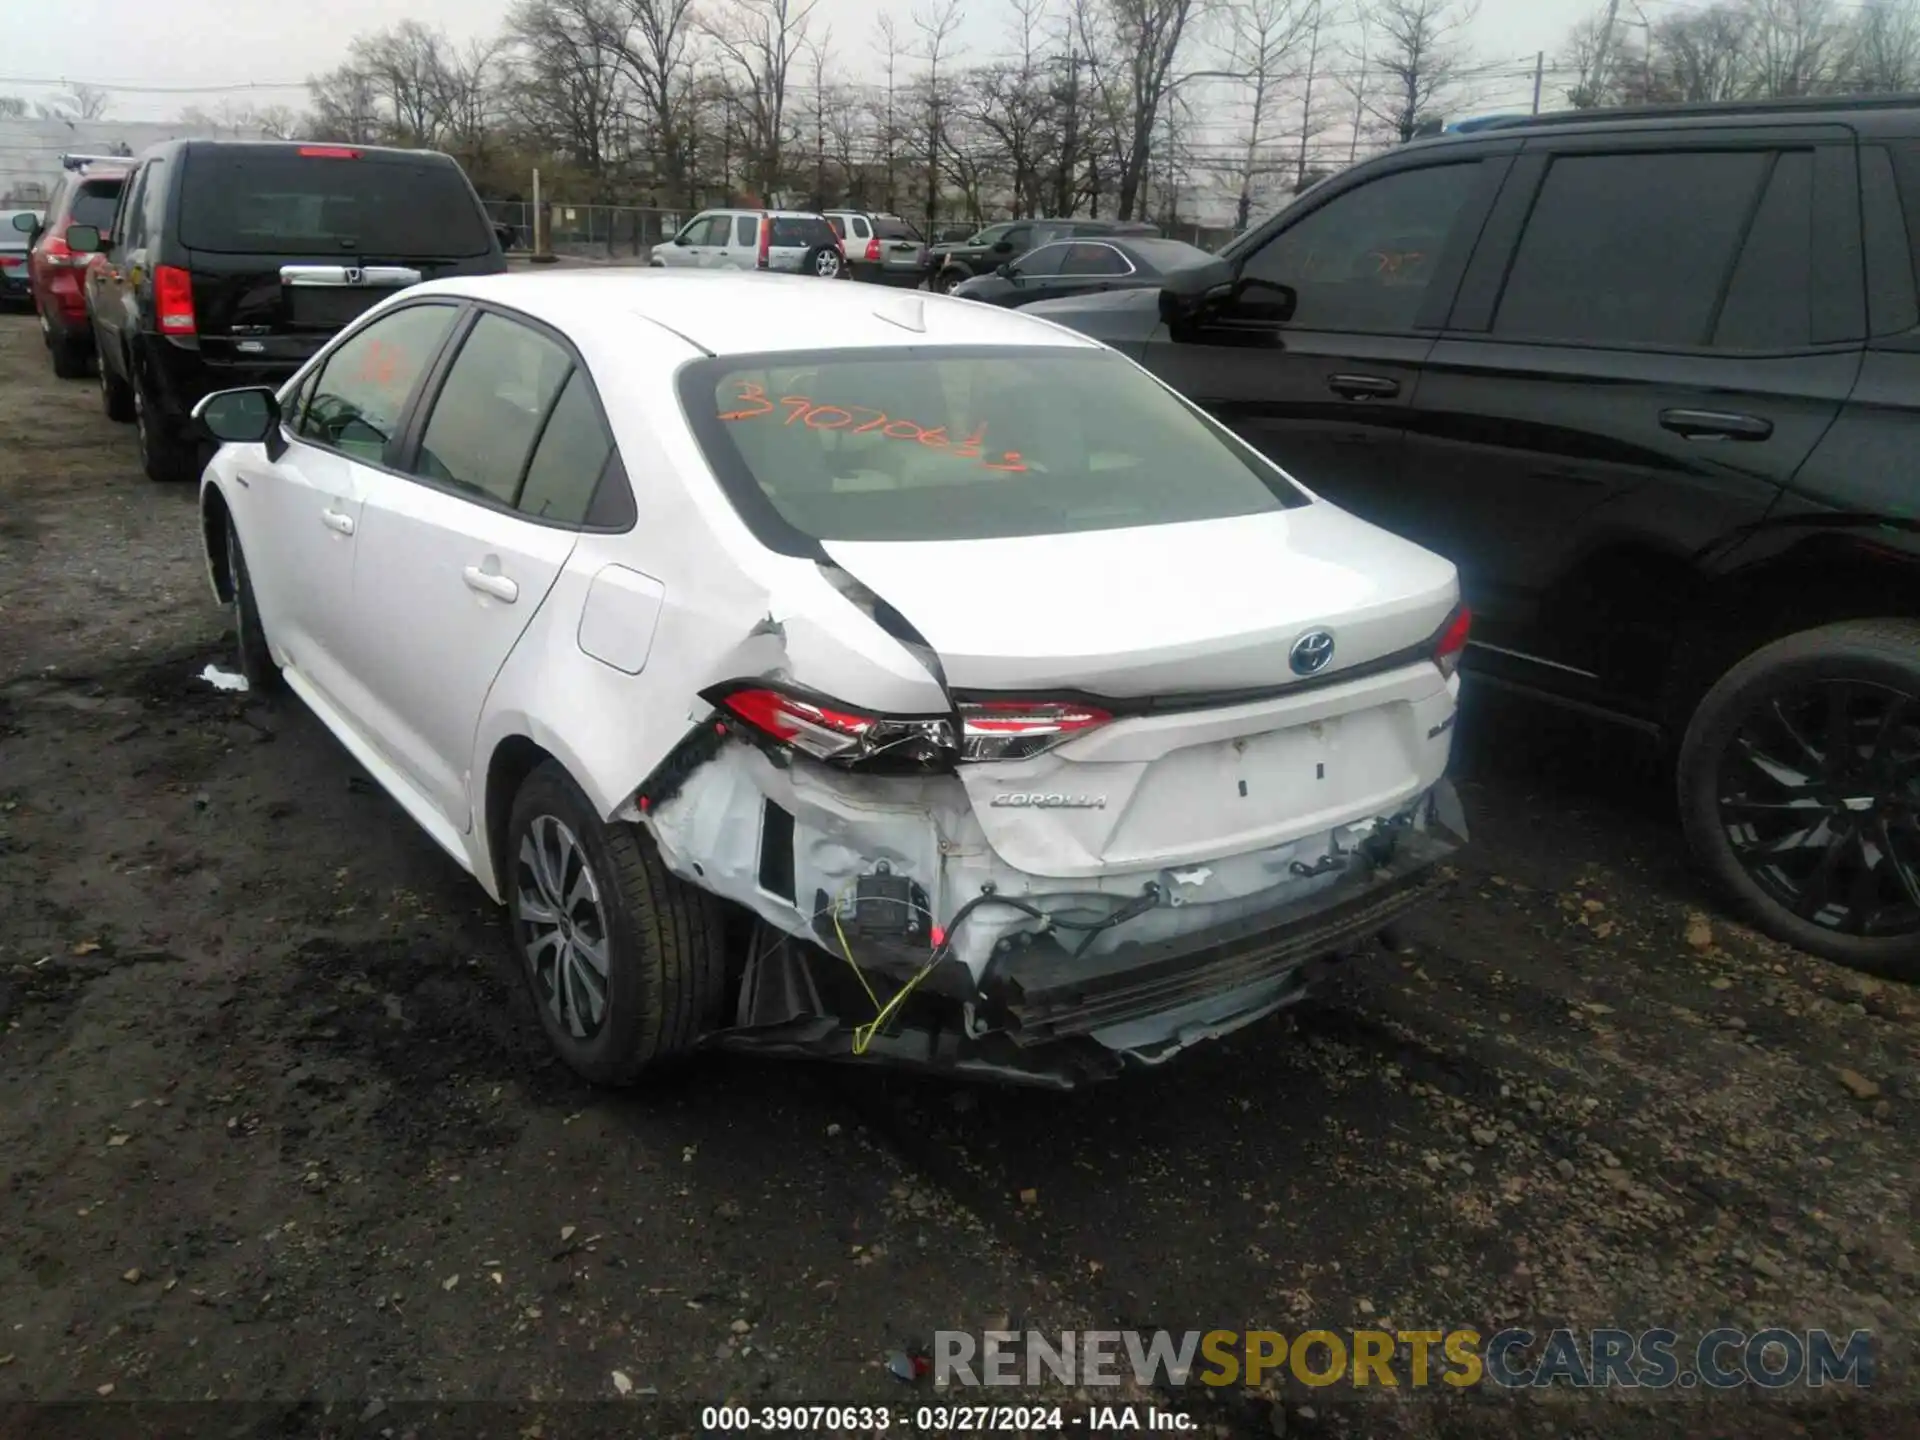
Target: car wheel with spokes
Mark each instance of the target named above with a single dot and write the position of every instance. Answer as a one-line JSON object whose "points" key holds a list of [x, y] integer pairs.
{"points": [[625, 960], [1800, 791], [825, 263]]}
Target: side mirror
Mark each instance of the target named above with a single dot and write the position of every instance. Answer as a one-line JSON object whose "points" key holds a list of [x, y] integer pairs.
{"points": [[242, 417], [1213, 295], [25, 222], [1004, 270], [85, 240]]}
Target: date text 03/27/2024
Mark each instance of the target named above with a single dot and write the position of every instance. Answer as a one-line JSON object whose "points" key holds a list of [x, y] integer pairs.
{"points": [[939, 1419]]}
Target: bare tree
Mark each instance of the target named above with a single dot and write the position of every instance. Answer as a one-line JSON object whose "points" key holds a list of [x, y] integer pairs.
{"points": [[81, 102], [345, 107], [1011, 107], [407, 67], [1419, 60], [1796, 44], [760, 39], [1262, 48], [655, 45], [1883, 50], [893, 51], [936, 20], [1147, 36], [570, 91], [820, 103]]}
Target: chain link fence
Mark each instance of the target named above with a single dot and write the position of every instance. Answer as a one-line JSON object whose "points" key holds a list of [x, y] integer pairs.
{"points": [[628, 233]]}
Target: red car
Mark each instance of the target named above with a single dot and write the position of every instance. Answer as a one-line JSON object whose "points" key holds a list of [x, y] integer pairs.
{"points": [[87, 194]]}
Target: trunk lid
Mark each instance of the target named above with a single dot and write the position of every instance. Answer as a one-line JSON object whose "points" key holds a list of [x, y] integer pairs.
{"points": [[1161, 611], [1192, 618]]}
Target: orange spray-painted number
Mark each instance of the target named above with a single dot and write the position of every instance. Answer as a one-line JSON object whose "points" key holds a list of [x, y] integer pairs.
{"points": [[381, 364], [752, 402]]}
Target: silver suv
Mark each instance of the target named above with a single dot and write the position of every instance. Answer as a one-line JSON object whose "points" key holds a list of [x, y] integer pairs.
{"points": [[794, 242]]}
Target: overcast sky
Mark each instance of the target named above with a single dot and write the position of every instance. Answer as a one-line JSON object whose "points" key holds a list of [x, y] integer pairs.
{"points": [[226, 43]]}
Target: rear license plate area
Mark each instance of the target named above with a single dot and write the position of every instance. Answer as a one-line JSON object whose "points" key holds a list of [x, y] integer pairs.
{"points": [[331, 306]]}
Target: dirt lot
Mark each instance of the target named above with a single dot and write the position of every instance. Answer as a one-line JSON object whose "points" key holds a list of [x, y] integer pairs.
{"points": [[277, 1124]]}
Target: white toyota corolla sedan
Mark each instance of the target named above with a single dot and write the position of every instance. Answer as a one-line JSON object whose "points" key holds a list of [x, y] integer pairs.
{"points": [[844, 673]]}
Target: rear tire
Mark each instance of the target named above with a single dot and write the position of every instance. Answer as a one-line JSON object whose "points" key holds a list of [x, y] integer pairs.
{"points": [[582, 892], [70, 358], [823, 262], [1799, 783], [166, 460], [116, 396], [944, 282]]}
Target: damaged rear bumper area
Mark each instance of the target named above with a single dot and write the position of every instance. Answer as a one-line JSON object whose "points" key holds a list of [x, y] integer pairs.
{"points": [[890, 931]]}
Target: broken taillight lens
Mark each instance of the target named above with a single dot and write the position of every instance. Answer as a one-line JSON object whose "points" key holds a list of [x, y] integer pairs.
{"points": [[1016, 729], [856, 739], [839, 735], [1453, 641]]}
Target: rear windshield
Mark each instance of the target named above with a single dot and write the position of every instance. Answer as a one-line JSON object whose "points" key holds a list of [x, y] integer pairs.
{"points": [[892, 227], [95, 203], [277, 202], [964, 445], [793, 231]]}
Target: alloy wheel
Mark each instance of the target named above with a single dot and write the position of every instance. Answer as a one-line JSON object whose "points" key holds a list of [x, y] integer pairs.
{"points": [[562, 925], [826, 265], [1819, 797]]}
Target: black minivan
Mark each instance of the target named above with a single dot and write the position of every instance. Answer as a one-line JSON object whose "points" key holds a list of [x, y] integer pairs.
{"points": [[1651, 378], [232, 262]]}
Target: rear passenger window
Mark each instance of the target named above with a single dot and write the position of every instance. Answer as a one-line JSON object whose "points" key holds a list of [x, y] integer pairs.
{"points": [[357, 399], [568, 462], [746, 231], [1890, 253], [1630, 249], [491, 409], [1769, 303]]}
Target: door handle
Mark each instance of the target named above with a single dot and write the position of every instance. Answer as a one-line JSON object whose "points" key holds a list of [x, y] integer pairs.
{"points": [[1363, 387], [491, 582], [1715, 425], [334, 520]]}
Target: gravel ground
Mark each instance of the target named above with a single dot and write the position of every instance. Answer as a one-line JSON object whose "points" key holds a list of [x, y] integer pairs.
{"points": [[277, 1124]]}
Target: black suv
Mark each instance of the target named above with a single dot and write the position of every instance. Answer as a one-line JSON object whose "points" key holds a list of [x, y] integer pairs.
{"points": [[230, 263], [986, 250], [1652, 380]]}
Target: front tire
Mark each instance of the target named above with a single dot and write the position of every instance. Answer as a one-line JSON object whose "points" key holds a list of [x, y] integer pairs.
{"points": [[626, 962], [255, 656], [1800, 792]]}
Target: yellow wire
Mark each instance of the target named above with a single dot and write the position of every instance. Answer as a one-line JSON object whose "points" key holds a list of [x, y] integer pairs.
{"points": [[863, 1034]]}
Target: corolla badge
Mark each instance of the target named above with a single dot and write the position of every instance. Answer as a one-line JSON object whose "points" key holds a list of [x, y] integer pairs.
{"points": [[1041, 800], [1311, 652]]}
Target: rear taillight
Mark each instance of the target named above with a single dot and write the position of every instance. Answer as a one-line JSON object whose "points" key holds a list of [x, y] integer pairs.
{"points": [[839, 735], [1016, 729], [873, 249], [766, 242], [56, 252], [857, 739], [1453, 641], [173, 299]]}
